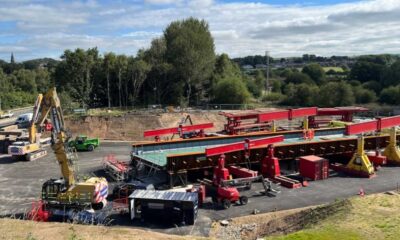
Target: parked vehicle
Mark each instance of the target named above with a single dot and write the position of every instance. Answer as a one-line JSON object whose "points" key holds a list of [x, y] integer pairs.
{"points": [[7, 114], [24, 120], [84, 143]]}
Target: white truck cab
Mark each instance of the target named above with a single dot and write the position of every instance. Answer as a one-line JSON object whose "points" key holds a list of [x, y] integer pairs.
{"points": [[24, 118]]}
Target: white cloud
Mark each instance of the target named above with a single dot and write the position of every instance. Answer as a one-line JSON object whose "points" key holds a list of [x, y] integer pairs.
{"points": [[239, 28], [160, 1]]}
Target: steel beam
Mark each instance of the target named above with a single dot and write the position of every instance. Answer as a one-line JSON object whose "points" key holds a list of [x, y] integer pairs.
{"points": [[175, 130]]}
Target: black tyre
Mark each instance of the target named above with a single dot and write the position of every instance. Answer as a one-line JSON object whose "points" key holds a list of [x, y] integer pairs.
{"points": [[90, 148], [243, 200], [226, 203]]}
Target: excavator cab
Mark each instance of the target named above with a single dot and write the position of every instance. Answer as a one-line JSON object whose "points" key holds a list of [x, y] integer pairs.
{"points": [[52, 188]]}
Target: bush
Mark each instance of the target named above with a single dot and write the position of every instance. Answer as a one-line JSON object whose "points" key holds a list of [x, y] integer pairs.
{"points": [[363, 95], [298, 78], [336, 94], [10, 100], [373, 85], [273, 97], [231, 91], [316, 73], [390, 95], [253, 87], [301, 94]]}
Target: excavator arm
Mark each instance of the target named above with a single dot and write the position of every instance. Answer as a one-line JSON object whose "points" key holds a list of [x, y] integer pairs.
{"points": [[49, 104]]}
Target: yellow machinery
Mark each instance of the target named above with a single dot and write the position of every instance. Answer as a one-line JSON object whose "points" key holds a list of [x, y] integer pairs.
{"points": [[392, 151], [32, 149], [65, 193], [359, 163]]}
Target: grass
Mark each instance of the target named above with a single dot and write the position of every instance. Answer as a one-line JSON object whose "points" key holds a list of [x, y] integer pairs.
{"points": [[372, 217], [327, 233]]}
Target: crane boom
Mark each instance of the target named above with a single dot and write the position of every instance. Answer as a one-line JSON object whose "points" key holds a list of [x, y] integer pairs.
{"points": [[50, 104]]}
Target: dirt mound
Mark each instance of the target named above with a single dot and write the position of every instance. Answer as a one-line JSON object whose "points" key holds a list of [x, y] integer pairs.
{"points": [[131, 126], [20, 229]]}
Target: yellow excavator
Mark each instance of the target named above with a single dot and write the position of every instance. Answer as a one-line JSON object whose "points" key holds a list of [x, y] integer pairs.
{"points": [[66, 194], [32, 149]]}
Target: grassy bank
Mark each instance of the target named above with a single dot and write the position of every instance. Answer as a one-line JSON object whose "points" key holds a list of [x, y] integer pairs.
{"points": [[371, 217]]}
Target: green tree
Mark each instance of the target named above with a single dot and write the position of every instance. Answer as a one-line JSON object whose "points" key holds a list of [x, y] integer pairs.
{"points": [[373, 85], [390, 95], [108, 66], [121, 65], [26, 80], [74, 73], [43, 80], [190, 50], [336, 94], [137, 70], [231, 91], [364, 71], [259, 80], [276, 85], [392, 75], [315, 72], [301, 94], [298, 78], [363, 95]]}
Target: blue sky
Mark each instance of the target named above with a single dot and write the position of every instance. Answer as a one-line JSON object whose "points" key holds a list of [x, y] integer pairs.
{"points": [[45, 28]]}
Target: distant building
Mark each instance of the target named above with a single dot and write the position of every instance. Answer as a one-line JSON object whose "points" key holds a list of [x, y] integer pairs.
{"points": [[261, 66], [247, 67]]}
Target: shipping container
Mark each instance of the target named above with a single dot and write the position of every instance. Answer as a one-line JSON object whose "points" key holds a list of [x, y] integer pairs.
{"points": [[164, 206], [314, 168]]}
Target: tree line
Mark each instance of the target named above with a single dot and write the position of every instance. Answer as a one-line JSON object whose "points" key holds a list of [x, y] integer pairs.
{"points": [[181, 68], [371, 79]]}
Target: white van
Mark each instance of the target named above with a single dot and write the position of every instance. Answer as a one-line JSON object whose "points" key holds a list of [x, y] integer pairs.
{"points": [[24, 118]]}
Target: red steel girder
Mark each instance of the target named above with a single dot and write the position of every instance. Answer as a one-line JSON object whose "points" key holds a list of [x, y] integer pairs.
{"points": [[302, 112], [388, 122], [270, 116], [374, 125], [181, 129], [247, 144], [339, 111], [356, 128]]}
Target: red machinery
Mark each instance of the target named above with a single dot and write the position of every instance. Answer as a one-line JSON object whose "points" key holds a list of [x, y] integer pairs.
{"points": [[346, 114], [263, 120], [226, 192], [360, 164], [269, 164], [196, 130], [117, 170]]}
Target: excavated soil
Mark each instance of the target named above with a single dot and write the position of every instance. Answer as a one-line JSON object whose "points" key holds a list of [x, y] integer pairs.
{"points": [[130, 127]]}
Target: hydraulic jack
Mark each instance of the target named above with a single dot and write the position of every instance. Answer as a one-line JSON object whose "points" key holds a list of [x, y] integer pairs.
{"points": [[392, 151]]}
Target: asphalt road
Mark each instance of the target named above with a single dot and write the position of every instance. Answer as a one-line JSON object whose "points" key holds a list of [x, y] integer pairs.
{"points": [[20, 184]]}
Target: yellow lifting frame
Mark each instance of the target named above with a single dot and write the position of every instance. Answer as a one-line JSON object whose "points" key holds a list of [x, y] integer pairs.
{"points": [[392, 151], [360, 162]]}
